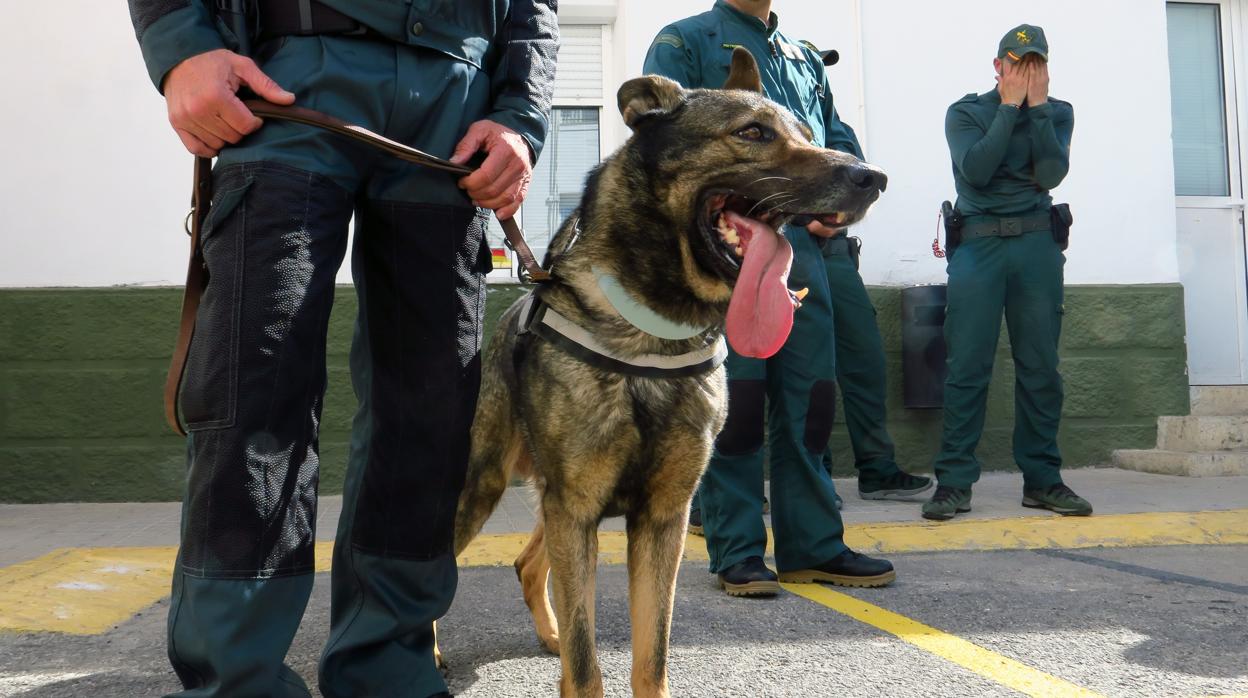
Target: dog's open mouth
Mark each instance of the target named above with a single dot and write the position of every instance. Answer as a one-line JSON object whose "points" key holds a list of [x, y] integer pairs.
{"points": [[748, 249]]}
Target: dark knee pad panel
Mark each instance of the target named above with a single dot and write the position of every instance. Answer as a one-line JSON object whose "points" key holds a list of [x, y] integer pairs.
{"points": [[743, 431], [424, 299], [820, 413]]}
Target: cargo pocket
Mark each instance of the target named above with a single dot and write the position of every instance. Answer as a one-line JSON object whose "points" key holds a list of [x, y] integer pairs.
{"points": [[210, 383]]}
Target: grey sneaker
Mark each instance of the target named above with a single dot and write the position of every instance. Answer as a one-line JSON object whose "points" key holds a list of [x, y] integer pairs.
{"points": [[899, 486], [1058, 498], [946, 503]]}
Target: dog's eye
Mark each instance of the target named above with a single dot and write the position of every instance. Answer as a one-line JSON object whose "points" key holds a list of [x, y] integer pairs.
{"points": [[756, 133]]}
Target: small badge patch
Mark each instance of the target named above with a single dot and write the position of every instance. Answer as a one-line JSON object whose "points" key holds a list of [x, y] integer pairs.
{"points": [[669, 39], [1023, 38]]}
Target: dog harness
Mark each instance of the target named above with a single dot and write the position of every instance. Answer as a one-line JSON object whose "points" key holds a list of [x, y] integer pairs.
{"points": [[536, 319]]}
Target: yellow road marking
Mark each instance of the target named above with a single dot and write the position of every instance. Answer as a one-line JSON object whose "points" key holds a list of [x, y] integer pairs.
{"points": [[1112, 531], [89, 590], [984, 662]]}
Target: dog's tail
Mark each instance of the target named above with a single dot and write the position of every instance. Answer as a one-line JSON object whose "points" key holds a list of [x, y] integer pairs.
{"points": [[498, 447]]}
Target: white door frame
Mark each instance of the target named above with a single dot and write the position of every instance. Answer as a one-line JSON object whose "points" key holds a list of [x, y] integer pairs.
{"points": [[1233, 21]]}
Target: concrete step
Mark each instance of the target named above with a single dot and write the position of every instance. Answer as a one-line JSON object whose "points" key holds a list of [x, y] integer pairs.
{"points": [[1219, 400], [1202, 434], [1178, 463]]}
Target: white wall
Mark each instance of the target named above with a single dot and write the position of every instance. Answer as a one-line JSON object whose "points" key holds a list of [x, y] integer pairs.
{"points": [[94, 184]]}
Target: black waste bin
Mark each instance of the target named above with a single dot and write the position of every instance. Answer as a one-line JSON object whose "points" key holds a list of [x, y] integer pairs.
{"points": [[923, 346]]}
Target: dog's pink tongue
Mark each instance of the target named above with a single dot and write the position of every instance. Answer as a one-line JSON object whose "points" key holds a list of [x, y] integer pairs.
{"points": [[760, 314]]}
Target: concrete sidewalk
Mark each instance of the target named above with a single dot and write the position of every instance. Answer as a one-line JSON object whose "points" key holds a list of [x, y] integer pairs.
{"points": [[1145, 598], [30, 530]]}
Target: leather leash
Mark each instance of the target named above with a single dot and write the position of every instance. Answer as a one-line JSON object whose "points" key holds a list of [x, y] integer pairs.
{"points": [[201, 198]]}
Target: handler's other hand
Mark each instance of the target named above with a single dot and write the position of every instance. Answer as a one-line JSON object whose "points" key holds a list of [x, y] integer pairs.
{"points": [[823, 231], [503, 179], [204, 108], [1013, 81]]}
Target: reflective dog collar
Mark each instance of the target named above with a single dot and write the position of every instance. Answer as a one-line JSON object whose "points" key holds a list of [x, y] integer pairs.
{"points": [[640, 316]]}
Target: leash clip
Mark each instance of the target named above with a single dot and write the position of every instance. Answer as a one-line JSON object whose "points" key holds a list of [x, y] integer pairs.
{"points": [[186, 224]]}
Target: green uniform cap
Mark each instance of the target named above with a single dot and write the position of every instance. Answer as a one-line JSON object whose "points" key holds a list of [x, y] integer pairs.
{"points": [[1022, 40]]}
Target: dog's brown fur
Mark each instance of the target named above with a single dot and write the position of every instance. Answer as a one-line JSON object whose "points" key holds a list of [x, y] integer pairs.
{"points": [[599, 444]]}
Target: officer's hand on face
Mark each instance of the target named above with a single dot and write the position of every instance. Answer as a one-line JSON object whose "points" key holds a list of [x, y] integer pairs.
{"points": [[503, 179], [1012, 82], [1037, 82], [203, 105]]}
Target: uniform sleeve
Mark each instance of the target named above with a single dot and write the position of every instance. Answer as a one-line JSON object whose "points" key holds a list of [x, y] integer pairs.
{"points": [[171, 31], [977, 153], [671, 56], [839, 135], [524, 80], [1052, 125]]}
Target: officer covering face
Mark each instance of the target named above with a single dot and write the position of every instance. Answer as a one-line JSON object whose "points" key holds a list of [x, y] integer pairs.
{"points": [[1010, 146]]}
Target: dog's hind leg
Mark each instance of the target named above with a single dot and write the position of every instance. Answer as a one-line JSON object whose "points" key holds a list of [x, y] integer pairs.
{"points": [[533, 569], [572, 546], [494, 458]]}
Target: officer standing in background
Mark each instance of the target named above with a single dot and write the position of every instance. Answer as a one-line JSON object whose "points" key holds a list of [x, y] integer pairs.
{"points": [[797, 384], [861, 371], [451, 79], [1009, 146]]}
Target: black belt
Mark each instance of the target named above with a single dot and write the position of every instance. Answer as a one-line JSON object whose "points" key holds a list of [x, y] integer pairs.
{"points": [[305, 18], [991, 226], [837, 246]]}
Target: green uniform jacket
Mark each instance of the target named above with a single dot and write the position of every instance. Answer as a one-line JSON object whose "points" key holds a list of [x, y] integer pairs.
{"points": [[1005, 160], [515, 40], [696, 52]]}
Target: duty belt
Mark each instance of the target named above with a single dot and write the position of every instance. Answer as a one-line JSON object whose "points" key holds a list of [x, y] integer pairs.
{"points": [[304, 18], [991, 226], [836, 246]]}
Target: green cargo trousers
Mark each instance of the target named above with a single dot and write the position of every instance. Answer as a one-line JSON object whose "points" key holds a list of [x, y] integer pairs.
{"points": [[798, 388], [1021, 275], [860, 367]]}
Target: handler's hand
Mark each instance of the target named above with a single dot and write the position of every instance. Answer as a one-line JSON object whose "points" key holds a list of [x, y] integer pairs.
{"points": [[1013, 82], [823, 231], [503, 179], [1037, 83], [203, 105]]}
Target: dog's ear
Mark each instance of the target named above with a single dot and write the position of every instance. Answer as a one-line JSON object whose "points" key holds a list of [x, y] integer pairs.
{"points": [[646, 96], [744, 72]]}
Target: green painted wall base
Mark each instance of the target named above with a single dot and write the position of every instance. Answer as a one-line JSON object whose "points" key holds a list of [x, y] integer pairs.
{"points": [[81, 372]]}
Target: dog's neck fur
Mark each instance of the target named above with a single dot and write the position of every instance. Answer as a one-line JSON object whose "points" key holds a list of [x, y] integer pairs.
{"points": [[606, 227]]}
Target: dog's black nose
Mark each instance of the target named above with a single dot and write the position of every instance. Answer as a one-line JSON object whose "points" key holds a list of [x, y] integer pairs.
{"points": [[865, 177]]}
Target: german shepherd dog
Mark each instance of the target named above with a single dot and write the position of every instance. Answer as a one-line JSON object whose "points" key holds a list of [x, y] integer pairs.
{"points": [[685, 218]]}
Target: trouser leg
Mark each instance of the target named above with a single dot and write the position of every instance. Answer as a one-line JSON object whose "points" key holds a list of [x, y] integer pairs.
{"points": [[860, 370], [731, 493], [252, 396], [1033, 314], [416, 369], [801, 390], [976, 295]]}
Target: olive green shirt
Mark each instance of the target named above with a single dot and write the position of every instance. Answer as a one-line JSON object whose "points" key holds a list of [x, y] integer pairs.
{"points": [[1007, 159]]}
